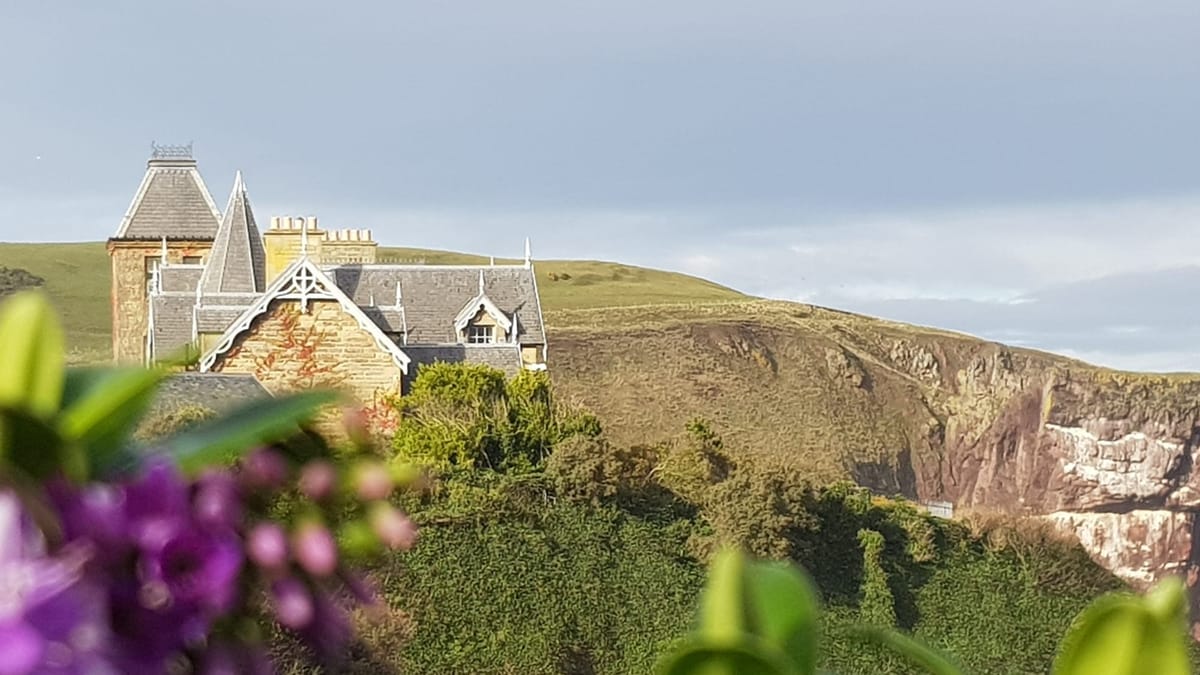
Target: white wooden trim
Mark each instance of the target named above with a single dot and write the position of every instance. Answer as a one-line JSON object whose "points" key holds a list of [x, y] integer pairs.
{"points": [[303, 281]]}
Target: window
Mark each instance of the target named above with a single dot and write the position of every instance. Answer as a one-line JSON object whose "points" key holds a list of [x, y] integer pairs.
{"points": [[191, 260], [481, 335], [151, 266]]}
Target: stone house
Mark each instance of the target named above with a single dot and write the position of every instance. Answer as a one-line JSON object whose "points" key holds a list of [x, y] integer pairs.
{"points": [[298, 306]]}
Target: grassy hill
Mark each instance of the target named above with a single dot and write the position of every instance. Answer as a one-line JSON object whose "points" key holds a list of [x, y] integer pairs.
{"points": [[78, 278], [840, 394]]}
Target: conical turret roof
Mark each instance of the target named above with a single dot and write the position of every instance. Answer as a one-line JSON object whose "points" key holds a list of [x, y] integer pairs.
{"points": [[237, 263]]}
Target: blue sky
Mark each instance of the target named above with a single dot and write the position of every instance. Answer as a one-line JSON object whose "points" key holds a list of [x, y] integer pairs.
{"points": [[1024, 171]]}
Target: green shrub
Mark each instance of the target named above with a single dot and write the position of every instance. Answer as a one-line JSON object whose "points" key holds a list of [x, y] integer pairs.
{"points": [[572, 589], [462, 416]]}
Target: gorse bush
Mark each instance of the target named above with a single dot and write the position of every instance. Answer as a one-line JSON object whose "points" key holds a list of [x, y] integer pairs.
{"points": [[590, 561], [762, 619], [467, 416]]}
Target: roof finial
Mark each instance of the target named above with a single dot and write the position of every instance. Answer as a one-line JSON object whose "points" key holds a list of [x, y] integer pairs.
{"points": [[481, 282], [528, 254], [164, 250], [303, 237], [492, 261], [239, 186]]}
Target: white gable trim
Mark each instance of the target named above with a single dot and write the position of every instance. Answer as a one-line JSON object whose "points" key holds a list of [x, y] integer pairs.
{"points": [[303, 281], [481, 301]]}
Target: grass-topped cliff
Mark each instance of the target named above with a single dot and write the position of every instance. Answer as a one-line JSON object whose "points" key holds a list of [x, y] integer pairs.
{"points": [[799, 394], [838, 394]]}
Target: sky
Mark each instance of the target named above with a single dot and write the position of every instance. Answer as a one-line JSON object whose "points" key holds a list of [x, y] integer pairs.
{"points": [[1024, 171]]}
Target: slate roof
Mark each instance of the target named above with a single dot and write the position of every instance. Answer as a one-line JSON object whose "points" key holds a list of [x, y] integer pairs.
{"points": [[180, 278], [172, 316], [237, 263], [215, 391], [217, 319], [171, 202], [505, 357], [433, 295]]}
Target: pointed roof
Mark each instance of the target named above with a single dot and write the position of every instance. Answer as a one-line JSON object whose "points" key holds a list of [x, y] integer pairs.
{"points": [[304, 281], [171, 202], [237, 263]]}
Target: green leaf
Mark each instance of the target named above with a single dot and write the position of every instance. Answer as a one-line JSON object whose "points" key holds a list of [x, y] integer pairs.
{"points": [[221, 440], [1119, 635], [742, 657], [917, 653], [102, 407], [32, 362], [722, 610], [34, 446], [783, 611]]}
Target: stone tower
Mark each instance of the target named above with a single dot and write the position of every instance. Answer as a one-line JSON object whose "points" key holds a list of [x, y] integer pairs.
{"points": [[172, 217]]}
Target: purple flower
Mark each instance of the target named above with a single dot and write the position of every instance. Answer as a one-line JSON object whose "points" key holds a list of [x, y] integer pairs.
{"points": [[51, 619], [225, 658], [329, 631], [156, 505], [94, 513], [199, 568]]}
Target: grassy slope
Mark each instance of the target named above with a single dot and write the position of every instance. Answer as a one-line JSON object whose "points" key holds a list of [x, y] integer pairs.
{"points": [[77, 277], [839, 394]]}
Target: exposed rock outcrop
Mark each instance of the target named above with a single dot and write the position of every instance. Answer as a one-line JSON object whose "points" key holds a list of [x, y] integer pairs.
{"points": [[1112, 462]]}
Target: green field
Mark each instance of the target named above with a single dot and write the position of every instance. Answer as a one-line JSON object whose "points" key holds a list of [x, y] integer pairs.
{"points": [[78, 279]]}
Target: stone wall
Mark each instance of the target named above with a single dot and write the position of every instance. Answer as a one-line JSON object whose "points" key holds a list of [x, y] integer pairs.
{"points": [[128, 294], [288, 350]]}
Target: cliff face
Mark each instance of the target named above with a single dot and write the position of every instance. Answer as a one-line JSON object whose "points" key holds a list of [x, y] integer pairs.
{"points": [[1110, 457], [1111, 460]]}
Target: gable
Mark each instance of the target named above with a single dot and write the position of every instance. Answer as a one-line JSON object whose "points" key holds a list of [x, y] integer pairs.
{"points": [[290, 348], [305, 284]]}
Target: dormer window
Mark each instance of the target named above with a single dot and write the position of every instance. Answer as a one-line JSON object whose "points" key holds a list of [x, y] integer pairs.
{"points": [[481, 335]]}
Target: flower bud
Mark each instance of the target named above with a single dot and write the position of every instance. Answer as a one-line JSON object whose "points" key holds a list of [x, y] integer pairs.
{"points": [[266, 546], [217, 503], [292, 602], [356, 539], [264, 469], [393, 528], [372, 481], [314, 548], [318, 479], [405, 474]]}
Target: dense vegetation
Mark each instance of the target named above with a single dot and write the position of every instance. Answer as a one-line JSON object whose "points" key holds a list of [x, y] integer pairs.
{"points": [[13, 279], [557, 551]]}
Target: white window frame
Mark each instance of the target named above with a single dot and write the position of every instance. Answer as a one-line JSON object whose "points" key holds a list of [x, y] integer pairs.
{"points": [[481, 334]]}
